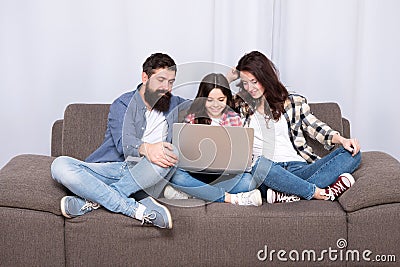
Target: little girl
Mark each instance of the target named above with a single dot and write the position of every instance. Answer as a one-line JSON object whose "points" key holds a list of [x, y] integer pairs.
{"points": [[213, 106]]}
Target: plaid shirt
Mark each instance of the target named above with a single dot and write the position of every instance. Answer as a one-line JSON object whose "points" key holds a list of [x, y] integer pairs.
{"points": [[229, 118], [300, 120]]}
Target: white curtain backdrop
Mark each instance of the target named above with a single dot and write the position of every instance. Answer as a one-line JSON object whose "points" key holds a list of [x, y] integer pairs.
{"points": [[345, 51], [56, 52]]}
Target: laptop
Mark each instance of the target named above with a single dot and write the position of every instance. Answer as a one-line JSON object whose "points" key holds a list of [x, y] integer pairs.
{"points": [[213, 149]]}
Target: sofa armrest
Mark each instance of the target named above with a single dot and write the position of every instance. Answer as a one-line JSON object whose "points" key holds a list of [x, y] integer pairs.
{"points": [[56, 138], [377, 182], [346, 128]]}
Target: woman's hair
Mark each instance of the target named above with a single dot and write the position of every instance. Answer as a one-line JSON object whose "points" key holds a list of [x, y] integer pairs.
{"points": [[266, 74], [207, 84]]}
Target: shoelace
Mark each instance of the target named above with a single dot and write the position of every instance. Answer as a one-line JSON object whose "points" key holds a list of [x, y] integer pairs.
{"points": [[90, 205], [335, 190], [245, 199], [148, 218], [180, 194], [281, 197]]}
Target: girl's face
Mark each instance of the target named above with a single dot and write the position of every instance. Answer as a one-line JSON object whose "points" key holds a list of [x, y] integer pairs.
{"points": [[251, 85], [215, 103]]}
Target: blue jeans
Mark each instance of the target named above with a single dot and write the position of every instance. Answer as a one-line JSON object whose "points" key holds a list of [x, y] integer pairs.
{"points": [[215, 192], [109, 184], [300, 178]]}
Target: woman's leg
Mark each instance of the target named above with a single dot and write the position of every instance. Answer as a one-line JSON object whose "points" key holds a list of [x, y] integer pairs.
{"points": [[326, 170], [276, 177]]}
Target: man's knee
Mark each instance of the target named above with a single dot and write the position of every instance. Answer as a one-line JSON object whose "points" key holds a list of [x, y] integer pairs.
{"points": [[58, 167]]}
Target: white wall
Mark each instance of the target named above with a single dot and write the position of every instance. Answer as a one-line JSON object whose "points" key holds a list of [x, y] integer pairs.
{"points": [[346, 52], [56, 52]]}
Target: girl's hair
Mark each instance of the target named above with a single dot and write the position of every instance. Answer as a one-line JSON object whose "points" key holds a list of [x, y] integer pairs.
{"points": [[266, 74], [207, 84]]}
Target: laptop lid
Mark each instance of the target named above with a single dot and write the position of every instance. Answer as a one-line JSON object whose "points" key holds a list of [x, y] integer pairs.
{"points": [[213, 149]]}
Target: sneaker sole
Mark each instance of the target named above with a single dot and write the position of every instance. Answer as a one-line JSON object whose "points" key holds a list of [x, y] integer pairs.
{"points": [[169, 226], [63, 211], [259, 198], [349, 177], [270, 196]]}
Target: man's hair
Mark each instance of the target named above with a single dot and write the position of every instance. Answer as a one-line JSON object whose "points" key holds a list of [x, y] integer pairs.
{"points": [[158, 61]]}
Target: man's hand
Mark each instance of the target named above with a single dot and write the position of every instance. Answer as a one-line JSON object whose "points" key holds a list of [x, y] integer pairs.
{"points": [[160, 153]]}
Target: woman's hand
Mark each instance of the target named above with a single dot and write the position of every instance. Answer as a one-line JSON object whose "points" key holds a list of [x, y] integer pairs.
{"points": [[233, 74], [351, 145]]}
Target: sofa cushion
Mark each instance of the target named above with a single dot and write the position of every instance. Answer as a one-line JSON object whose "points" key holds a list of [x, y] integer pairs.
{"points": [[216, 234], [26, 182], [84, 129], [31, 238], [377, 182], [330, 114], [375, 229]]}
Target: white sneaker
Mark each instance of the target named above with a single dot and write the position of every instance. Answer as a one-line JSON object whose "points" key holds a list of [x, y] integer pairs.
{"points": [[278, 197], [172, 193], [251, 198]]}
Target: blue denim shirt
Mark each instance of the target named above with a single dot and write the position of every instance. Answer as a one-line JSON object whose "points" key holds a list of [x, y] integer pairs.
{"points": [[126, 125]]}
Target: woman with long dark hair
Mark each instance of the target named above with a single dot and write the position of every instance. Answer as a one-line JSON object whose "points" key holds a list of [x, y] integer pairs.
{"points": [[285, 163]]}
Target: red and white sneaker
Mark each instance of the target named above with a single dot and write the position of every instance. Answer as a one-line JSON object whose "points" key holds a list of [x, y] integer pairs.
{"points": [[335, 190], [278, 197]]}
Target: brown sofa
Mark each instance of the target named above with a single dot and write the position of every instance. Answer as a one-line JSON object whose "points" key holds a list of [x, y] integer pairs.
{"points": [[34, 233]]}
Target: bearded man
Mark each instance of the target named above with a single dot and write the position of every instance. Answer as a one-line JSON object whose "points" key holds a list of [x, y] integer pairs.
{"points": [[136, 152]]}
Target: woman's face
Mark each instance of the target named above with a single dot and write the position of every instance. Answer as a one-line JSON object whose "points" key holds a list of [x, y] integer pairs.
{"points": [[251, 85], [215, 103]]}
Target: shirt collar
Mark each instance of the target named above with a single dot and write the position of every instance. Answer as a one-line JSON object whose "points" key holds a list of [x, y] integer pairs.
{"points": [[138, 98]]}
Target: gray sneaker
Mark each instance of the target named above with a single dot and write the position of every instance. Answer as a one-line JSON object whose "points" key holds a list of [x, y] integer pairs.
{"points": [[73, 206], [173, 193], [156, 214]]}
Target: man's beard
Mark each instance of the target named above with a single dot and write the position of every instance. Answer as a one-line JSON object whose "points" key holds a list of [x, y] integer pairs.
{"points": [[157, 101]]}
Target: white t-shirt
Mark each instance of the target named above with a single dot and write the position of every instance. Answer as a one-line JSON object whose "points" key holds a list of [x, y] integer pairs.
{"points": [[272, 140], [215, 122], [156, 127]]}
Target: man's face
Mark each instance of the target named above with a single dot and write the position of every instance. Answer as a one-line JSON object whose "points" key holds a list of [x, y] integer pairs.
{"points": [[158, 88]]}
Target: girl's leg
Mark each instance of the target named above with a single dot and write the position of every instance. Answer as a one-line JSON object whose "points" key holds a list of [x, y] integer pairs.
{"points": [[183, 181], [239, 187]]}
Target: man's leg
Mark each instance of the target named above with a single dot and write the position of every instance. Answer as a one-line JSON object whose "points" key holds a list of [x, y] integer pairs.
{"points": [[143, 175], [91, 181]]}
